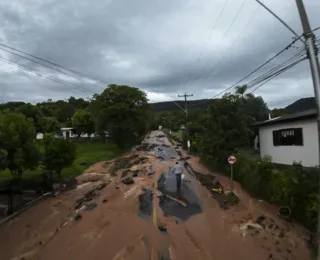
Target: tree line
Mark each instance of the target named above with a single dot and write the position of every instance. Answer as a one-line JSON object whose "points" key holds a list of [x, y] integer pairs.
{"points": [[120, 110], [221, 129], [224, 129]]}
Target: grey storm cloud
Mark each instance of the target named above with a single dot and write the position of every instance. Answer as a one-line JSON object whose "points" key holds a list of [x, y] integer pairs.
{"points": [[160, 46]]}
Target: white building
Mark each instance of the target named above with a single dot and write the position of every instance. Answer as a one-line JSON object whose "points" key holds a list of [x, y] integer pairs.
{"points": [[290, 138], [67, 132]]}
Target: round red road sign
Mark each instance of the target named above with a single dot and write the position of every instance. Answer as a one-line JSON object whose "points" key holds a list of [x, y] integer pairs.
{"points": [[232, 159]]}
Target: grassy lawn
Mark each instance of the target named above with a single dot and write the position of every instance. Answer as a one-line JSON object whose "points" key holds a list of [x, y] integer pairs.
{"points": [[177, 134], [86, 153]]}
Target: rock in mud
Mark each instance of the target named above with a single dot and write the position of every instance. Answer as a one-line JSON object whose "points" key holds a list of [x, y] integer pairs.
{"points": [[260, 219], [128, 181], [125, 173], [162, 228], [91, 206], [77, 216]]}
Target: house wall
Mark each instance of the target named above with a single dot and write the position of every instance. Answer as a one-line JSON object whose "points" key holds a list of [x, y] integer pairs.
{"points": [[64, 135], [308, 154]]}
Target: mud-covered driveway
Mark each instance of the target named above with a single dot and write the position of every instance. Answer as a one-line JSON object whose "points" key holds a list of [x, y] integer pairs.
{"points": [[139, 214]]}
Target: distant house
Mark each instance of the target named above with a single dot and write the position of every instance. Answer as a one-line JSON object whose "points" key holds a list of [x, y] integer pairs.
{"points": [[290, 138], [68, 132]]}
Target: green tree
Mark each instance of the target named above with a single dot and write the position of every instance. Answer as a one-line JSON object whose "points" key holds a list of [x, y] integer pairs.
{"points": [[240, 90], [276, 112], [3, 159], [256, 108], [225, 128], [123, 111], [83, 122], [58, 154], [17, 140], [63, 111], [49, 125], [34, 113]]}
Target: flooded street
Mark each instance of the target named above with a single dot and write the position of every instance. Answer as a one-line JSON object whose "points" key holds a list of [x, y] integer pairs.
{"points": [[140, 214]]}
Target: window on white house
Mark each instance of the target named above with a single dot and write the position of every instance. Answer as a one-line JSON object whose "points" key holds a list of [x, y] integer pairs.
{"points": [[290, 136]]}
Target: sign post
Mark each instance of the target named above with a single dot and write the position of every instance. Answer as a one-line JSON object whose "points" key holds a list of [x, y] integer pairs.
{"points": [[231, 160]]}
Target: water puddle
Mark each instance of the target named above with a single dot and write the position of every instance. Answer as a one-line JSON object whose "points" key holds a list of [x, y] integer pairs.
{"points": [[165, 153], [180, 204], [145, 204]]}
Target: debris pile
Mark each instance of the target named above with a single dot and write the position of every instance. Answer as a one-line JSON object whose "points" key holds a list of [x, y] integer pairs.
{"points": [[90, 195], [140, 160], [146, 147], [225, 201], [268, 230], [160, 136], [120, 163]]}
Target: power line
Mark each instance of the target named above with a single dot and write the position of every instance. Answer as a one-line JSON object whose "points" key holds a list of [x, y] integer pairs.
{"points": [[209, 37], [43, 75], [279, 72], [234, 19], [315, 29], [249, 21], [212, 30], [239, 34], [55, 64], [277, 67], [42, 64], [255, 70]]}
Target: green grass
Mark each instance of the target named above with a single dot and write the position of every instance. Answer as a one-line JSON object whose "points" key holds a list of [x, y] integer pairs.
{"points": [[177, 135], [86, 152]]}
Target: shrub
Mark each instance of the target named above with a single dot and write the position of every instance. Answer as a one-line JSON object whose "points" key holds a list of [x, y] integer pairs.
{"points": [[294, 186]]}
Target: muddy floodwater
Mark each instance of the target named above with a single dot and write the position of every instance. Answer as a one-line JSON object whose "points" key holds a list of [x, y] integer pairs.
{"points": [[137, 213]]}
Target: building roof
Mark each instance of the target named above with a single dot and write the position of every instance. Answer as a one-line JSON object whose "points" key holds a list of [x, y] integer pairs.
{"points": [[308, 114], [66, 128]]}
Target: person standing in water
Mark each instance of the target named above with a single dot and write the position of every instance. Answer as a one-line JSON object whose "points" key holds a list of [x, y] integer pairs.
{"points": [[178, 170]]}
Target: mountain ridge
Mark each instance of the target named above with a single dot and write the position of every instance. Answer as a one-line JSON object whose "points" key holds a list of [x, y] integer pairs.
{"points": [[299, 105]]}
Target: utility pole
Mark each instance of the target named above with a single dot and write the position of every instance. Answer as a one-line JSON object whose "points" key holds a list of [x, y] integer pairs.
{"points": [[186, 111], [315, 71]]}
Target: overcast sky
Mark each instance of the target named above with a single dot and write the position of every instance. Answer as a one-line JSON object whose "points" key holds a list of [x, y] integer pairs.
{"points": [[163, 47]]}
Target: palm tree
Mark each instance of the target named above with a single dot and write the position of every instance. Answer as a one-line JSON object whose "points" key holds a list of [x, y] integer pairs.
{"points": [[240, 90]]}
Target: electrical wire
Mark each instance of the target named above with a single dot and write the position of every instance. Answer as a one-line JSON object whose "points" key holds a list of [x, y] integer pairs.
{"points": [[234, 19], [236, 38], [209, 37], [251, 73], [315, 29], [212, 29], [55, 64], [249, 21], [276, 68], [42, 64], [278, 73], [271, 74], [43, 75]]}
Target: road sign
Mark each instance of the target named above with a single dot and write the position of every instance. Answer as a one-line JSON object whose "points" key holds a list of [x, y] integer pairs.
{"points": [[231, 159]]}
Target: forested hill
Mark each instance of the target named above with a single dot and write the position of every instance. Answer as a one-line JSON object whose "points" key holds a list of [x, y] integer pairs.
{"points": [[301, 104], [171, 106]]}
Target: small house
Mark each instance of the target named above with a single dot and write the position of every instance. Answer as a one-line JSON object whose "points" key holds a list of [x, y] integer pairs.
{"points": [[290, 138], [67, 132]]}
